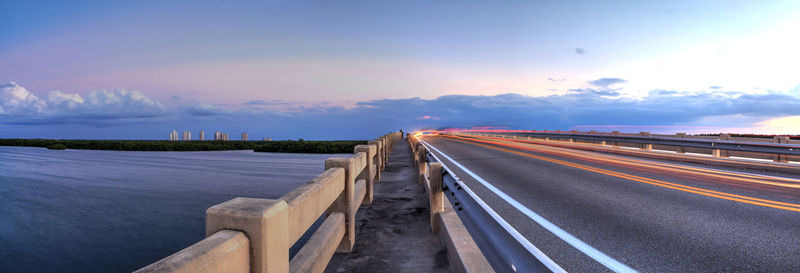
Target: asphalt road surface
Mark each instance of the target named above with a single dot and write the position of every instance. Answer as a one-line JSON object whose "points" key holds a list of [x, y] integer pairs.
{"points": [[643, 214]]}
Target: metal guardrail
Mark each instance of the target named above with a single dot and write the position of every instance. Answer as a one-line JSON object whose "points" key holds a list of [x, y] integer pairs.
{"points": [[755, 147], [493, 235]]}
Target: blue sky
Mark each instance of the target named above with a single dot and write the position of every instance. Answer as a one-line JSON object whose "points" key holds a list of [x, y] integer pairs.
{"points": [[291, 69]]}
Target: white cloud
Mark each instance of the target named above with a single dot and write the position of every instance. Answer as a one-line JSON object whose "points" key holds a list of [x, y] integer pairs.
{"points": [[20, 105], [15, 99], [60, 100]]}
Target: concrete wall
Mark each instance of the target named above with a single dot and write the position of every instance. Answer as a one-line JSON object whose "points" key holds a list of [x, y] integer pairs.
{"points": [[254, 235]]}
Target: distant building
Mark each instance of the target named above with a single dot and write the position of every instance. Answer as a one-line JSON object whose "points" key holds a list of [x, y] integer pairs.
{"points": [[220, 136], [267, 139], [187, 135], [244, 136], [173, 136], [201, 135]]}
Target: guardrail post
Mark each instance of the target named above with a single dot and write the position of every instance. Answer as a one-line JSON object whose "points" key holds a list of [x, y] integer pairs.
{"points": [[436, 194], [781, 157], [680, 149], [266, 224], [616, 143], [371, 170], [345, 201], [725, 153], [647, 146]]}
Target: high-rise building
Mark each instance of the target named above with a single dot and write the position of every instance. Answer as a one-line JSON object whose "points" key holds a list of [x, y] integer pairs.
{"points": [[267, 139], [220, 136], [187, 135], [173, 136], [244, 136], [201, 135]]}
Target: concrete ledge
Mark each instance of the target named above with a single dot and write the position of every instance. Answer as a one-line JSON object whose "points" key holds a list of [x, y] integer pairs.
{"points": [[317, 252], [309, 201], [266, 224], [224, 251], [361, 191], [463, 253]]}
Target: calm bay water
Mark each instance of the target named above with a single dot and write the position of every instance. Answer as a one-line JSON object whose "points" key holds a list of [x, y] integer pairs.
{"points": [[113, 211]]}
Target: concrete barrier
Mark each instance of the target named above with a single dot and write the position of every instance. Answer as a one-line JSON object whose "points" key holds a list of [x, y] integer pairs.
{"points": [[254, 235]]}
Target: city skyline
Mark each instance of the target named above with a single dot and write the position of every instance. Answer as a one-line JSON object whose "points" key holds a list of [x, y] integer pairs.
{"points": [[291, 70], [187, 135]]}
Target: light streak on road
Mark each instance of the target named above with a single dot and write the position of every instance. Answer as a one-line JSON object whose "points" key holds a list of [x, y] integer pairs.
{"points": [[655, 182]]}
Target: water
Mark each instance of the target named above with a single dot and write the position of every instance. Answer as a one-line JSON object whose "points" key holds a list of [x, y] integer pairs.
{"points": [[113, 211]]}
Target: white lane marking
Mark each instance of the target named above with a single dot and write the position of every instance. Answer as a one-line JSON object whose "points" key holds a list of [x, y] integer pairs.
{"points": [[549, 263], [590, 251]]}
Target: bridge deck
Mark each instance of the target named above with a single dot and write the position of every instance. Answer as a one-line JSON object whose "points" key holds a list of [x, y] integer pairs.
{"points": [[393, 234]]}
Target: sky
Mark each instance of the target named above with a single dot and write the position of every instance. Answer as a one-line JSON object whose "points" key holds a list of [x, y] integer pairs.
{"points": [[357, 69]]}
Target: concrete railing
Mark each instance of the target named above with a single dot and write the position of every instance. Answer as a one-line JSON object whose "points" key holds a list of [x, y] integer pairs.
{"points": [[778, 149], [463, 253], [254, 235]]}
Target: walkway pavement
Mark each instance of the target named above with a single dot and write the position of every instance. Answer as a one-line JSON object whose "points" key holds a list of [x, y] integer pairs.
{"points": [[393, 234]]}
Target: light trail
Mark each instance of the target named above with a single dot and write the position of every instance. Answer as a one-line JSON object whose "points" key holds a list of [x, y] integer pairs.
{"points": [[587, 249], [750, 178], [684, 188]]}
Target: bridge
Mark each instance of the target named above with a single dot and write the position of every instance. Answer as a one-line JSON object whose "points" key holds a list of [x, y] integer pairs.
{"points": [[536, 201]]}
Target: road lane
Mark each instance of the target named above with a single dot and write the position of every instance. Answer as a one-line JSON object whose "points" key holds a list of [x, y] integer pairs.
{"points": [[648, 227]]}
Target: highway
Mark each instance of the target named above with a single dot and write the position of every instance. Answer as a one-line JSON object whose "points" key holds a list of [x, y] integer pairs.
{"points": [[634, 214]]}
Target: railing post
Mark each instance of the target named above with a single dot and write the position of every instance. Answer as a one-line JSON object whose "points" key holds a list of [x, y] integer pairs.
{"points": [[370, 171], [781, 157], [378, 155], [345, 202], [266, 224], [436, 194], [385, 154]]}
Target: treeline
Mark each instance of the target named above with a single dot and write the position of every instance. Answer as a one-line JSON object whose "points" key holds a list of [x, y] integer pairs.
{"points": [[315, 147], [287, 146]]}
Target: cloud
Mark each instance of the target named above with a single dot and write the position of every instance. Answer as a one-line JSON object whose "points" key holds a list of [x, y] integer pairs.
{"points": [[266, 103], [606, 82], [427, 117], [714, 87], [203, 110], [595, 104], [555, 80], [580, 51], [15, 99], [20, 106], [596, 92]]}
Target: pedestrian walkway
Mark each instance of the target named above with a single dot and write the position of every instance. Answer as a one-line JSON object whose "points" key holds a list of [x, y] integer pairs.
{"points": [[393, 234]]}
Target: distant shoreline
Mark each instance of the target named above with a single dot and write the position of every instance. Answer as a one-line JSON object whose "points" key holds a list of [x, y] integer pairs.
{"points": [[280, 146]]}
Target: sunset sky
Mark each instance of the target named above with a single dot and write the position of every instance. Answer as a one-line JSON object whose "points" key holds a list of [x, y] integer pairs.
{"points": [[356, 69]]}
